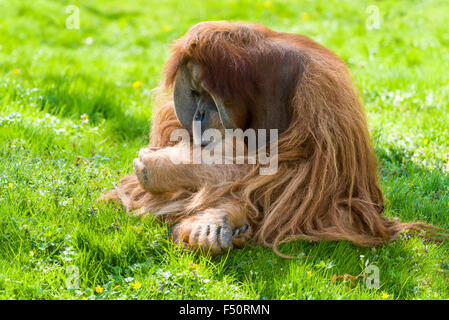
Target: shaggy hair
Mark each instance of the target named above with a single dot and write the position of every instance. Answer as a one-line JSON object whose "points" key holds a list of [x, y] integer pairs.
{"points": [[326, 186]]}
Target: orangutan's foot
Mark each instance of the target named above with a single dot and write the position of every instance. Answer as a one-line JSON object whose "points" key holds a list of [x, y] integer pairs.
{"points": [[210, 232]]}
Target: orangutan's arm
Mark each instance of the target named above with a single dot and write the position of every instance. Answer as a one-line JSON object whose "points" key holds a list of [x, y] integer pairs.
{"points": [[171, 168], [157, 173]]}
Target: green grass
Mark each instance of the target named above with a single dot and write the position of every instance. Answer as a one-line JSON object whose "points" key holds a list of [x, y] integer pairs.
{"points": [[54, 165]]}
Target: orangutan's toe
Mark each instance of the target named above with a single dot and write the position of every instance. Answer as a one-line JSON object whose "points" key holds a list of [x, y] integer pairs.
{"points": [[241, 235]]}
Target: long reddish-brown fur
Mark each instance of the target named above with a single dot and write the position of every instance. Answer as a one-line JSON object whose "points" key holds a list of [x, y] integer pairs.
{"points": [[326, 186]]}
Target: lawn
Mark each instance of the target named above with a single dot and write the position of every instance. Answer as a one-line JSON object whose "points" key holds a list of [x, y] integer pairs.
{"points": [[75, 107]]}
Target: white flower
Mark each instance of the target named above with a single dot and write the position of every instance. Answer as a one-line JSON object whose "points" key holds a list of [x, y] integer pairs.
{"points": [[88, 41]]}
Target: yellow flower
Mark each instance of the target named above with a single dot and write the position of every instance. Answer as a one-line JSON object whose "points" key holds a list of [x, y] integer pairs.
{"points": [[166, 28], [435, 295], [10, 186], [426, 141], [309, 273], [384, 295], [84, 298], [136, 285], [267, 4], [305, 16], [137, 84], [99, 289], [16, 72]]}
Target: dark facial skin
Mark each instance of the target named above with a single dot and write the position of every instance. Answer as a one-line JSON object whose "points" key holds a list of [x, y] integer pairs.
{"points": [[206, 113], [193, 103]]}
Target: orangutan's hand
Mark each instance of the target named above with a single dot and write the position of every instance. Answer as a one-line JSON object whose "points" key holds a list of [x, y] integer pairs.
{"points": [[143, 169]]}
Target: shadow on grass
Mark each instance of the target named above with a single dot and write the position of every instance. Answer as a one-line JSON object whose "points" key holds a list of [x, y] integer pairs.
{"points": [[114, 15], [73, 96]]}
